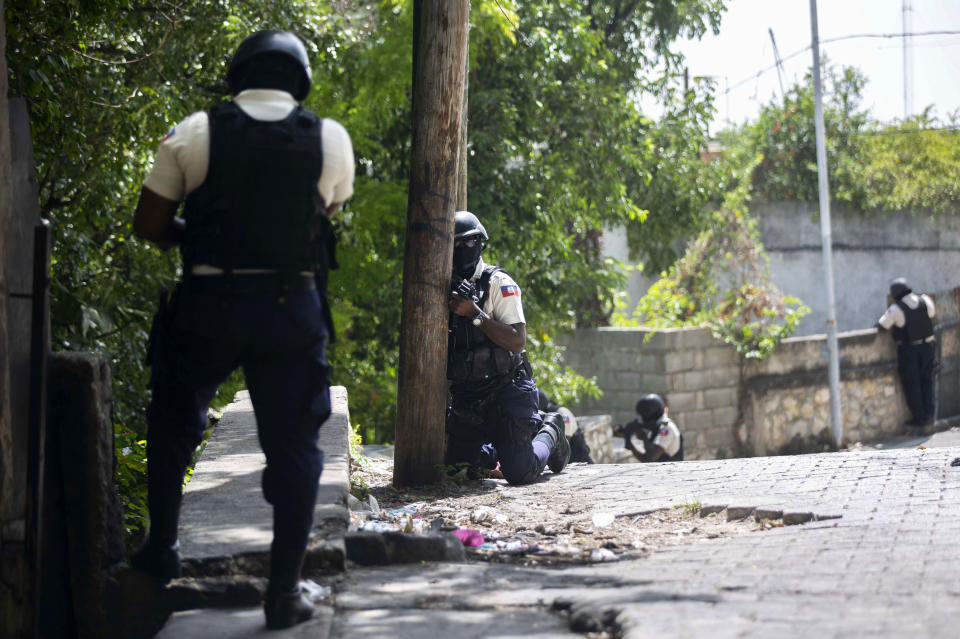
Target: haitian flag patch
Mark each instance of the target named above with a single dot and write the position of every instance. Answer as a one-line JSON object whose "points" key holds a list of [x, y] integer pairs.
{"points": [[509, 289], [169, 135]]}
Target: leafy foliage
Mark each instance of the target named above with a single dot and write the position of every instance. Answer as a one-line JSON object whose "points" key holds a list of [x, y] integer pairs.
{"points": [[908, 165], [722, 281], [558, 149]]}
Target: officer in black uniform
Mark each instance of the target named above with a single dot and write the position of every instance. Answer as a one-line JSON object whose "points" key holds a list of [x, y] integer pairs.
{"points": [[910, 318], [257, 244], [493, 414], [662, 440], [579, 449]]}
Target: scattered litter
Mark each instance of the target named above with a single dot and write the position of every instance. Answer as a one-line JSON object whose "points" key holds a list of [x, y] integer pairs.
{"points": [[409, 509], [380, 526], [602, 520], [469, 536], [314, 591], [602, 554], [487, 515]]}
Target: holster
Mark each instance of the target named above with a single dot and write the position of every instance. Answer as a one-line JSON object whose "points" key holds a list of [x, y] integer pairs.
{"points": [[160, 342]]}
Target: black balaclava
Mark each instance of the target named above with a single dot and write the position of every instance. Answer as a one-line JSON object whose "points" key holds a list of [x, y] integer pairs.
{"points": [[465, 258]]}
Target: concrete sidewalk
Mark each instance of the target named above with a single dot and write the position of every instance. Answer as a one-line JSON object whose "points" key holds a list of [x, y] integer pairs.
{"points": [[879, 556]]}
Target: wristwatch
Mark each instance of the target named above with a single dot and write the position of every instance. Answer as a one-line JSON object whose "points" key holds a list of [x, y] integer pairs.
{"points": [[479, 317]]}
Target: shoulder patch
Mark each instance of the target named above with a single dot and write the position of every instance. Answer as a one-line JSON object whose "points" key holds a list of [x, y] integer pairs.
{"points": [[169, 135], [509, 289]]}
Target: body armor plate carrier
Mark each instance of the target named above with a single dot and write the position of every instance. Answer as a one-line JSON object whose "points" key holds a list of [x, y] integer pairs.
{"points": [[917, 324], [476, 364], [259, 206]]}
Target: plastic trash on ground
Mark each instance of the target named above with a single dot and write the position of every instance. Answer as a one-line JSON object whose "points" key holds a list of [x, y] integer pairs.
{"points": [[469, 537]]}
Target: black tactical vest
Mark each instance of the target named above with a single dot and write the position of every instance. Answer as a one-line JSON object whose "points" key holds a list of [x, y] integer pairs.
{"points": [[917, 323], [259, 206], [475, 363]]}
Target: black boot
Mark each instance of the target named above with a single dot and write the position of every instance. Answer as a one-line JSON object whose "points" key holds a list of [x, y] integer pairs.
{"points": [[560, 453], [160, 561], [285, 608]]}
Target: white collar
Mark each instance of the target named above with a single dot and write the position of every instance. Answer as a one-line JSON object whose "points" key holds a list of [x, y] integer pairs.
{"points": [[478, 272]]}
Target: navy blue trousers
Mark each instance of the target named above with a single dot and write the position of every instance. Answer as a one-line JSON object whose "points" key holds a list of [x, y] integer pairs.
{"points": [[280, 342], [500, 426], [915, 365]]}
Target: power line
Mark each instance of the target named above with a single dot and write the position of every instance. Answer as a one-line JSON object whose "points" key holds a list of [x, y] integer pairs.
{"points": [[838, 39]]}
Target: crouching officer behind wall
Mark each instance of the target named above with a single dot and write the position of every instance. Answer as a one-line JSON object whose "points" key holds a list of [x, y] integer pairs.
{"points": [[910, 318], [493, 414], [261, 177]]}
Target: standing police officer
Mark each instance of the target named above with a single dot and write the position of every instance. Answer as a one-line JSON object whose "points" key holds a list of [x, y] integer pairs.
{"points": [[261, 177], [911, 319], [493, 413]]}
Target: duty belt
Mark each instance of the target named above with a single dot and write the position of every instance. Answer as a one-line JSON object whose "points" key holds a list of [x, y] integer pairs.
{"points": [[249, 283]]}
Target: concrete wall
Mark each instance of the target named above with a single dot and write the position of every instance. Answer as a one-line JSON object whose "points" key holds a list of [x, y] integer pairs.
{"points": [[728, 406], [697, 375], [868, 251]]}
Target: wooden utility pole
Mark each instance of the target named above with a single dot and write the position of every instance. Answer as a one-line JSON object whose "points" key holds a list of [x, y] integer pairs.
{"points": [[6, 206], [440, 33]]}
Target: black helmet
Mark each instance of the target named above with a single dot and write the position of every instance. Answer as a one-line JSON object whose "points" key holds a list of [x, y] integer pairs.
{"points": [[466, 224], [289, 66], [899, 288], [465, 258], [650, 408]]}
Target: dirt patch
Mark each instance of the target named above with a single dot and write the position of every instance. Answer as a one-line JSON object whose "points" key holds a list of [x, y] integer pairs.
{"points": [[518, 527]]}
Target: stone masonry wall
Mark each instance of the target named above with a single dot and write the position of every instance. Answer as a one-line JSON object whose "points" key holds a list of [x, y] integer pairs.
{"points": [[727, 406]]}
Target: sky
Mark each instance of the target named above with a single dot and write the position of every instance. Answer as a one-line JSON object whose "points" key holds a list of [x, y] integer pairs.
{"points": [[744, 47]]}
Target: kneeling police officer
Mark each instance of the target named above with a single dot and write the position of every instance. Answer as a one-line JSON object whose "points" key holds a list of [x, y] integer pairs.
{"points": [[261, 176], [492, 415], [662, 440]]}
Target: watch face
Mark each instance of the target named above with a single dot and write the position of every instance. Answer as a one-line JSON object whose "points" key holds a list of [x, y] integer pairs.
{"points": [[477, 320]]}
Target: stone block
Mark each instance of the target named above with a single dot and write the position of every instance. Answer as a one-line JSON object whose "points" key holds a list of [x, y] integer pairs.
{"points": [[725, 416], [679, 361], [80, 402], [722, 377], [736, 513], [793, 518], [696, 338], [720, 357], [720, 397], [694, 380], [654, 383], [685, 401], [719, 438], [404, 548], [215, 592], [767, 513], [697, 419]]}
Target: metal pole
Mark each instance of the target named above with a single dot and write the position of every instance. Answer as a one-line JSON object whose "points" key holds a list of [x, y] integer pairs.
{"points": [[37, 437], [907, 61], [825, 241]]}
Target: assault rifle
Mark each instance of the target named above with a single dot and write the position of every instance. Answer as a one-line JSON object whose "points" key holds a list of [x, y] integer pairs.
{"points": [[465, 289]]}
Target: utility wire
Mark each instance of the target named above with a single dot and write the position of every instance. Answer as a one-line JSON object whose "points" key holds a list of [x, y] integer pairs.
{"points": [[837, 39]]}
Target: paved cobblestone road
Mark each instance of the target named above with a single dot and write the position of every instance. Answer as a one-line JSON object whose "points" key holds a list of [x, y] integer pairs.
{"points": [[881, 560]]}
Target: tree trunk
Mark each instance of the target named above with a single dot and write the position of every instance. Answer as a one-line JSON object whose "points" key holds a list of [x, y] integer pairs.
{"points": [[439, 49]]}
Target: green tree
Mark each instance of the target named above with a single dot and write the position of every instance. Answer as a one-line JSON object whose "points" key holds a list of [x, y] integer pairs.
{"points": [[558, 149]]}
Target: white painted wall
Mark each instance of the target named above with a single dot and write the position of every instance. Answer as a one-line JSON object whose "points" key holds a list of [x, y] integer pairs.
{"points": [[868, 251]]}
